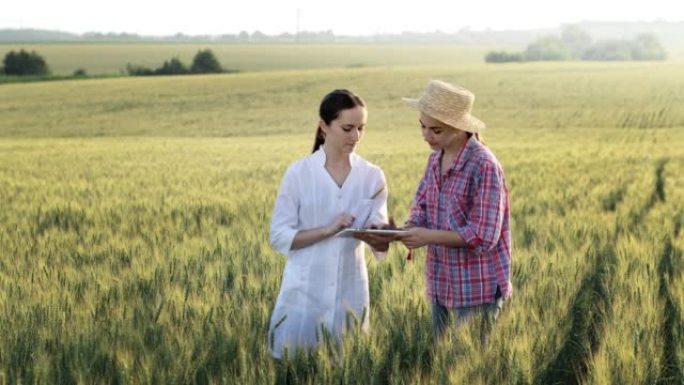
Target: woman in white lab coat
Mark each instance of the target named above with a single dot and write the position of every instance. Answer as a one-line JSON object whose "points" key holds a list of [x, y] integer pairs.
{"points": [[325, 282]]}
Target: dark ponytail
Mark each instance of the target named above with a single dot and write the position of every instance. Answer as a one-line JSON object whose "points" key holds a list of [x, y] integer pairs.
{"points": [[330, 108], [320, 139]]}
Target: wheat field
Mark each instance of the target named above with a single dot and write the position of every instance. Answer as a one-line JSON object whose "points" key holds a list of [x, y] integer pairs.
{"points": [[135, 212]]}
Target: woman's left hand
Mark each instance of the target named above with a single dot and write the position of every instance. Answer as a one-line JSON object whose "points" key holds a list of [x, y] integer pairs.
{"points": [[415, 237], [376, 241]]}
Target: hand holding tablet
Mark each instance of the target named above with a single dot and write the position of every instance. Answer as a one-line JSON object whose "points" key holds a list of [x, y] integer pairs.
{"points": [[350, 232]]}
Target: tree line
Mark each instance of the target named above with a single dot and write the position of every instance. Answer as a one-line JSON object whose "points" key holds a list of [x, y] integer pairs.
{"points": [[204, 62], [575, 44], [24, 63]]}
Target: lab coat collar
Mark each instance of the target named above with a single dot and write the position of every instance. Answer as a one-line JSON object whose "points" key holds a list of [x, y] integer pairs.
{"points": [[319, 158]]}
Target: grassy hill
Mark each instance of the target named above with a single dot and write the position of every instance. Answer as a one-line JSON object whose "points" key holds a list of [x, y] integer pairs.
{"points": [[539, 96]]}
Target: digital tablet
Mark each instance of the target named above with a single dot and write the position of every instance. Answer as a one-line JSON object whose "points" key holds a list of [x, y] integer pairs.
{"points": [[352, 231]]}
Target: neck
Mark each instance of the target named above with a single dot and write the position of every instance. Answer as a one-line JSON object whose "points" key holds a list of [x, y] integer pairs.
{"points": [[454, 148], [336, 158]]}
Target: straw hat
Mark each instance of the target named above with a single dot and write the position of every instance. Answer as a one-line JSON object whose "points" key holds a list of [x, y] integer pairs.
{"points": [[449, 104]]}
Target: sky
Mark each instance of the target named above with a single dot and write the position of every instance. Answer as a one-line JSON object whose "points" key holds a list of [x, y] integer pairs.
{"points": [[343, 17]]}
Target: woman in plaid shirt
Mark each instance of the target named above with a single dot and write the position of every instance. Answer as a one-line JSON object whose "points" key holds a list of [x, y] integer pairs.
{"points": [[460, 212]]}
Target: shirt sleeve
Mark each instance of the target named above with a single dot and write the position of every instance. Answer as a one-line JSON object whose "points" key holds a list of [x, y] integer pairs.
{"points": [[285, 214], [417, 214], [379, 211], [481, 227]]}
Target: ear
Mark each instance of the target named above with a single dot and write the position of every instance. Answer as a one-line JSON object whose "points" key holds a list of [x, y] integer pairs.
{"points": [[324, 127]]}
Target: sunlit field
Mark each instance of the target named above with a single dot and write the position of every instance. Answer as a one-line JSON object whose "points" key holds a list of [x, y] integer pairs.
{"points": [[135, 212]]}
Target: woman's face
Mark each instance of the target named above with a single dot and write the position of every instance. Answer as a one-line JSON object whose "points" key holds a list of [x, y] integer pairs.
{"points": [[437, 134], [345, 132]]}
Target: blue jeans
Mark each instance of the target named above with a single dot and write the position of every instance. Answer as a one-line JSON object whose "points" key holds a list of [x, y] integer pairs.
{"points": [[488, 312]]}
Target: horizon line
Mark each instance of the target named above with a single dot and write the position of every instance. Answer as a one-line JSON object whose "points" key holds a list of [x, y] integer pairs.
{"points": [[254, 31]]}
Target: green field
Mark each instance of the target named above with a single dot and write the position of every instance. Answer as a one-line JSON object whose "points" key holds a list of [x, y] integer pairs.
{"points": [[112, 58], [135, 212]]}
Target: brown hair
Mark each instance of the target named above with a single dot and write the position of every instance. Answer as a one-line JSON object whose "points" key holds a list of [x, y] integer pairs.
{"points": [[330, 108], [478, 136]]}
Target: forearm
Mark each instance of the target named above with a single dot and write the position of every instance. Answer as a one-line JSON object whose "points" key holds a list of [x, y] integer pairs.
{"points": [[306, 238], [446, 238]]}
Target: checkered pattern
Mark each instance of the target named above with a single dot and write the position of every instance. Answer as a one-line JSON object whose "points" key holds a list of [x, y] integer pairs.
{"points": [[472, 200]]}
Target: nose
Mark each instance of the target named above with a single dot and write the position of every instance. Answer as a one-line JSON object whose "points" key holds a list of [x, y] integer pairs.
{"points": [[357, 135]]}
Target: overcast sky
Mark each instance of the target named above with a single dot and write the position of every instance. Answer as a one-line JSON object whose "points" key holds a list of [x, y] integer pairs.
{"points": [[343, 17]]}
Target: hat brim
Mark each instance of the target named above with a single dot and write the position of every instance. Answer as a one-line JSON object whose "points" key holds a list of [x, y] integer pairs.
{"points": [[467, 123]]}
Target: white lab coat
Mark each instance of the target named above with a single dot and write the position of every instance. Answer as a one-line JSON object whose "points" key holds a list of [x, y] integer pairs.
{"points": [[322, 282]]}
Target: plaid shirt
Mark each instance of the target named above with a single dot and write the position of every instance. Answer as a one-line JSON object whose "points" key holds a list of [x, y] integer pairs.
{"points": [[472, 200]]}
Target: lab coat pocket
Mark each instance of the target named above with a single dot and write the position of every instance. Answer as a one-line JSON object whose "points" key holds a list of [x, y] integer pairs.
{"points": [[294, 283], [361, 211]]}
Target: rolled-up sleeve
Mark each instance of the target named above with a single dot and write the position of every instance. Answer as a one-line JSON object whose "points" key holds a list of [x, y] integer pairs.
{"points": [[481, 227], [285, 214]]}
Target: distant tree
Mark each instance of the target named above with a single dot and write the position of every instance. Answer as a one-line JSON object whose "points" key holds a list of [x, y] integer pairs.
{"points": [[609, 50], [205, 62], [243, 36], [504, 57], [576, 40], [547, 48], [80, 72], [647, 47], [136, 70], [25, 63], [575, 43], [259, 36], [172, 67]]}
